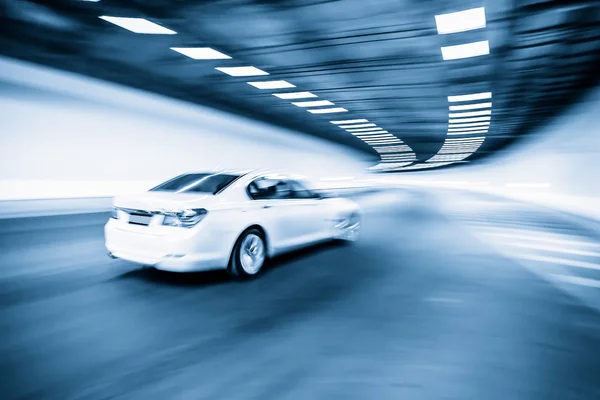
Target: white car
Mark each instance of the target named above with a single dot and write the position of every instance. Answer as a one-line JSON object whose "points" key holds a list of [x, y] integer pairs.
{"points": [[229, 220]]}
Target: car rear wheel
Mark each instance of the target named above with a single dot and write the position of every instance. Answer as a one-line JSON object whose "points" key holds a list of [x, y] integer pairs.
{"points": [[348, 228], [249, 255]]}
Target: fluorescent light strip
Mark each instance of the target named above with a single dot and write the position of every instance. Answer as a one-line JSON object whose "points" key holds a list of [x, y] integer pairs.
{"points": [[138, 25], [272, 85], [392, 149], [349, 121], [356, 126], [465, 129], [469, 114], [467, 50], [426, 166], [485, 123], [476, 119], [367, 133], [374, 137], [295, 95], [383, 141], [317, 103], [448, 157], [364, 130], [470, 106], [378, 138], [470, 97], [467, 133], [327, 110], [460, 21], [201, 53], [242, 71]]}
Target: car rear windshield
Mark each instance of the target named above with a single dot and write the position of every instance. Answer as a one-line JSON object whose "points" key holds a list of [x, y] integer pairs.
{"points": [[196, 183]]}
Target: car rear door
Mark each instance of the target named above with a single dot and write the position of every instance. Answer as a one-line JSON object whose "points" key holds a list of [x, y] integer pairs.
{"points": [[272, 210]]}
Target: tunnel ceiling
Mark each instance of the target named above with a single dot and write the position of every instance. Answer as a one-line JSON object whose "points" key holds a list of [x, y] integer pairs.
{"points": [[380, 60]]}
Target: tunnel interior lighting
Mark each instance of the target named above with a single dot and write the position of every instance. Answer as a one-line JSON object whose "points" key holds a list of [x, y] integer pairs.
{"points": [[327, 110], [467, 133], [476, 119], [470, 114], [349, 121], [242, 71], [272, 85], [475, 128], [472, 124], [357, 126], [364, 129], [138, 25], [465, 107], [460, 21], [201, 53], [470, 97], [449, 157], [467, 50], [318, 103], [295, 95]]}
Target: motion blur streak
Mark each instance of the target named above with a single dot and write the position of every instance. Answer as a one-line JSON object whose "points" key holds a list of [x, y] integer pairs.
{"points": [[414, 310], [466, 134]]}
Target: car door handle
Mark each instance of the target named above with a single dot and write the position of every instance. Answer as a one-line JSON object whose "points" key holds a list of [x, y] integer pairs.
{"points": [[267, 206]]}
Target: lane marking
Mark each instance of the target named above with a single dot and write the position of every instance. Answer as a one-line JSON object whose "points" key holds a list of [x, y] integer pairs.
{"points": [[553, 249], [560, 261], [577, 280]]}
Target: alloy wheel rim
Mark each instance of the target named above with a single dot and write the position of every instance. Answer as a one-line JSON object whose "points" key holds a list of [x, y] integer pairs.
{"points": [[252, 253]]}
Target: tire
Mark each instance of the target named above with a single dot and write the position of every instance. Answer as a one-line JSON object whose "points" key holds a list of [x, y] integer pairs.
{"points": [[249, 255], [351, 230]]}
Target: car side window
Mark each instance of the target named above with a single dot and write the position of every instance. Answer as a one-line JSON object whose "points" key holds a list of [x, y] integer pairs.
{"points": [[299, 191], [269, 189]]}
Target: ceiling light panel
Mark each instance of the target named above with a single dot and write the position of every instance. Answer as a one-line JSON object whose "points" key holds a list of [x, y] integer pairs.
{"points": [[317, 103], [139, 25], [295, 95], [449, 157], [272, 85], [476, 119], [357, 126], [470, 106], [327, 110], [201, 53], [460, 21], [364, 130], [470, 114], [467, 50], [349, 121], [393, 149], [371, 134], [242, 71], [470, 97]]}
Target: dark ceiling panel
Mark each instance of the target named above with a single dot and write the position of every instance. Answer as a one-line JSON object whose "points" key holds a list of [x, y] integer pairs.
{"points": [[380, 59]]}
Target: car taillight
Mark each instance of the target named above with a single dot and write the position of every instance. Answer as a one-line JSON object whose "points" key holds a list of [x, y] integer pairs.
{"points": [[185, 218]]}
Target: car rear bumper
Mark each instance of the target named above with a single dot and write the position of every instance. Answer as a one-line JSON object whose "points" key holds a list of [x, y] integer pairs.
{"points": [[177, 250]]}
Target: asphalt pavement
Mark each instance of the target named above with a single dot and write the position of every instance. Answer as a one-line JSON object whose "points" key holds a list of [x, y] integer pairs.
{"points": [[423, 306]]}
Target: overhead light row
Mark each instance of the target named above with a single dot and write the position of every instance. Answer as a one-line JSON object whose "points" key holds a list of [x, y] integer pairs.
{"points": [[462, 120], [355, 126]]}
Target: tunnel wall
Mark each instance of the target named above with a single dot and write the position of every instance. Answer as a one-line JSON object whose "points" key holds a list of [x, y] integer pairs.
{"points": [[65, 135], [558, 167]]}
